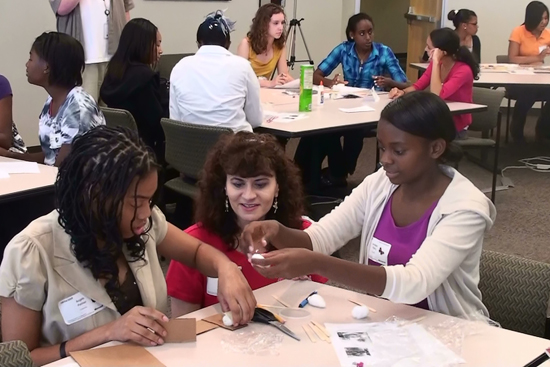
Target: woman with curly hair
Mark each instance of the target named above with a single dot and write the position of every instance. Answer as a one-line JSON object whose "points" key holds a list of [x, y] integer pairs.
{"points": [[246, 178], [88, 273], [264, 46]]}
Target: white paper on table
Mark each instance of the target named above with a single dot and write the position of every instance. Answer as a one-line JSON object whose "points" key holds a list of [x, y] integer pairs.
{"points": [[4, 174], [373, 97], [19, 167], [344, 89], [293, 84], [380, 344], [363, 108], [282, 117], [522, 71]]}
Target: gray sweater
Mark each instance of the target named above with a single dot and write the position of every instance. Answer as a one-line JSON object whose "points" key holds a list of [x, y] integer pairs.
{"points": [[71, 23]]}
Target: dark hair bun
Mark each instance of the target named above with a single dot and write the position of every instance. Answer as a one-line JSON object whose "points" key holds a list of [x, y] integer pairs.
{"points": [[452, 15], [453, 153]]}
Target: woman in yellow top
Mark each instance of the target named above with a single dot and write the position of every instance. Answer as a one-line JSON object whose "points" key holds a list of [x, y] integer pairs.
{"points": [[264, 46], [530, 44]]}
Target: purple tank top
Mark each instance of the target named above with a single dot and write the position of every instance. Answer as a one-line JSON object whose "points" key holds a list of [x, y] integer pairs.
{"points": [[393, 245]]}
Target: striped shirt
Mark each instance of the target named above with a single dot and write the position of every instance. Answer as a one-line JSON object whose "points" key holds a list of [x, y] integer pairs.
{"points": [[381, 61]]}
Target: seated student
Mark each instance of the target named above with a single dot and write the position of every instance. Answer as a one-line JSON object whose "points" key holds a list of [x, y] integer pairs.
{"points": [[365, 64], [530, 44], [215, 87], [101, 246], [132, 84], [466, 26], [264, 46], [421, 222], [10, 140], [56, 62], [247, 177], [450, 75]]}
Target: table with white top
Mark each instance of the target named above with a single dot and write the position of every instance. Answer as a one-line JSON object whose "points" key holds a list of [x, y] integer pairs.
{"points": [[328, 118], [487, 347], [23, 198], [503, 78]]}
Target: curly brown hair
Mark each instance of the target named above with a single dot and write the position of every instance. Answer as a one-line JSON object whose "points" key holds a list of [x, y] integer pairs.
{"points": [[246, 154], [257, 35]]}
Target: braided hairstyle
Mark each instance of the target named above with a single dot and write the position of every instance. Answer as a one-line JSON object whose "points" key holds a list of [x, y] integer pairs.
{"points": [[89, 192]]}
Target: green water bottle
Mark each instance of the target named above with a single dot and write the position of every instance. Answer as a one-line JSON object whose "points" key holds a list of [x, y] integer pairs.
{"points": [[306, 87]]}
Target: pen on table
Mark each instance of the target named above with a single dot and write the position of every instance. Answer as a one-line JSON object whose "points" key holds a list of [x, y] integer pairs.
{"points": [[305, 301]]}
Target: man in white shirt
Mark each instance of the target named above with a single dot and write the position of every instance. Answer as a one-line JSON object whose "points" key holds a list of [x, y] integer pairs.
{"points": [[215, 87], [97, 24]]}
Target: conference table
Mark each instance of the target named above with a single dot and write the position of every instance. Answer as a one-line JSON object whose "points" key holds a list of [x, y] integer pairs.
{"points": [[329, 118], [484, 346], [502, 75], [23, 198]]}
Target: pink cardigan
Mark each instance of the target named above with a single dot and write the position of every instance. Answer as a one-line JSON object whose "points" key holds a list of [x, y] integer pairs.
{"points": [[458, 87]]}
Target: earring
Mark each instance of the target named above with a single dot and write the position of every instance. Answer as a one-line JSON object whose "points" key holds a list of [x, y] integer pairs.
{"points": [[226, 204], [275, 205]]}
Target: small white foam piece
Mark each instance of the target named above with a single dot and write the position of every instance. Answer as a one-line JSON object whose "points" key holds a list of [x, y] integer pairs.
{"points": [[317, 301], [227, 319], [360, 312], [258, 257], [375, 95]]}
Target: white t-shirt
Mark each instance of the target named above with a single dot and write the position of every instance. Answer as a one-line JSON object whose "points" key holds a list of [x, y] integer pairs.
{"points": [[215, 87], [94, 29]]}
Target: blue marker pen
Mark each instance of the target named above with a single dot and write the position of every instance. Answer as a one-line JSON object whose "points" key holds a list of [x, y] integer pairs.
{"points": [[305, 301]]}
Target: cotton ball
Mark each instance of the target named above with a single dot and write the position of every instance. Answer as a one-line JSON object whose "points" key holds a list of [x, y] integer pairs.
{"points": [[317, 301], [227, 319], [258, 257], [360, 312]]}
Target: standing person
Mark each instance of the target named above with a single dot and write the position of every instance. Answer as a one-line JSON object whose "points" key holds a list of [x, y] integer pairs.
{"points": [[264, 46], [421, 222], [100, 248], [97, 25], [450, 75], [246, 177], [215, 87], [55, 63], [530, 44], [132, 84], [466, 26]]}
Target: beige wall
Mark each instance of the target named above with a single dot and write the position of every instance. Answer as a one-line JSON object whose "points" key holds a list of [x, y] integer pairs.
{"points": [[390, 25], [177, 21]]}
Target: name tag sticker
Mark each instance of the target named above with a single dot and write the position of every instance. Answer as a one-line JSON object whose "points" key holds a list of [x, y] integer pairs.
{"points": [[55, 140], [78, 307], [212, 286], [379, 251]]}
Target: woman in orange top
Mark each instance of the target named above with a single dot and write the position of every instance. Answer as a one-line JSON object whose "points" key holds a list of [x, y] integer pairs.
{"points": [[264, 46], [530, 44]]}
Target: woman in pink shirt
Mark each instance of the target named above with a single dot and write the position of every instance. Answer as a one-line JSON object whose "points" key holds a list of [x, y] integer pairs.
{"points": [[452, 77]]}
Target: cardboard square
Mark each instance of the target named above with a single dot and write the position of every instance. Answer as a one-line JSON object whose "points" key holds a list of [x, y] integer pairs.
{"points": [[217, 320], [180, 331], [204, 326], [124, 355]]}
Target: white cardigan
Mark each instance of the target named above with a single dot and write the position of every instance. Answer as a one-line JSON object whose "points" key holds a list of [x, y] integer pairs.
{"points": [[445, 269]]}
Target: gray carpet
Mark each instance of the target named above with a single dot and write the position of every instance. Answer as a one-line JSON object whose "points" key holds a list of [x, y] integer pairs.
{"points": [[522, 226]]}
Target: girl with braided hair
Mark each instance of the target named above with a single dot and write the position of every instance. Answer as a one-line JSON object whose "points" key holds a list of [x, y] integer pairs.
{"points": [[88, 272]]}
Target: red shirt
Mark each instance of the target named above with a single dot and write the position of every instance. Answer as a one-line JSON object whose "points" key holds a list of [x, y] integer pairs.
{"points": [[189, 285], [458, 87]]}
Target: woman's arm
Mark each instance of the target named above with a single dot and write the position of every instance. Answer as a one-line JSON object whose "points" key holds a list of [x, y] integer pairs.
{"points": [[67, 6], [29, 157], [6, 118], [515, 58], [234, 292], [282, 66], [243, 49], [435, 80], [180, 308]]}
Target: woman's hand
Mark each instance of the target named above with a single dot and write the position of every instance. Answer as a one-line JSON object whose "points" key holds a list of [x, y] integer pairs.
{"points": [[437, 55], [287, 263], [286, 78], [256, 235], [235, 294], [277, 80], [395, 93], [140, 325]]}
